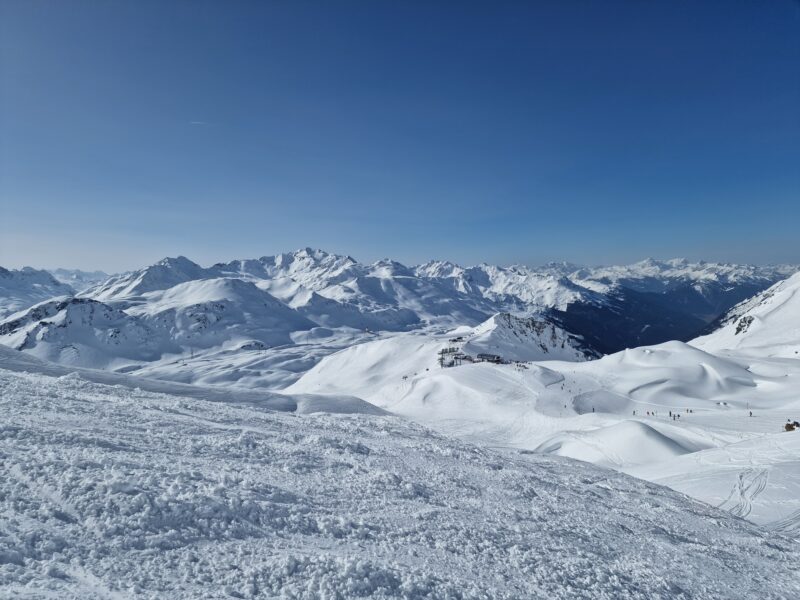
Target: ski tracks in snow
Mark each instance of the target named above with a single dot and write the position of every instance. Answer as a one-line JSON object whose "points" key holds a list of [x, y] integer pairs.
{"points": [[749, 484], [789, 525]]}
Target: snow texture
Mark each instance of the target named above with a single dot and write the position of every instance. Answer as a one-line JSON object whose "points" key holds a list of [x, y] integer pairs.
{"points": [[112, 492]]}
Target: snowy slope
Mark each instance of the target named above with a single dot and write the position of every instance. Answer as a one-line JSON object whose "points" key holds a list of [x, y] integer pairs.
{"points": [[614, 411], [765, 325], [12, 360], [671, 375], [383, 370], [22, 288], [627, 443], [757, 478], [109, 492]]}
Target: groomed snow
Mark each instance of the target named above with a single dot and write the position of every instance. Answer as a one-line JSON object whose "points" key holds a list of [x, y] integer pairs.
{"points": [[112, 492]]}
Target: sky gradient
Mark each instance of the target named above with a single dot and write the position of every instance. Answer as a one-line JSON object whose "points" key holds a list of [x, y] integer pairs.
{"points": [[505, 132]]}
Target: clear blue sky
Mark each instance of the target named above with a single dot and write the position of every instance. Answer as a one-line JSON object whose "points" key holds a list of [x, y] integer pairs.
{"points": [[505, 132]]}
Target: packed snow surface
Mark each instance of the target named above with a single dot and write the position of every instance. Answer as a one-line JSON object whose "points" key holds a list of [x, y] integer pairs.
{"points": [[109, 491]]}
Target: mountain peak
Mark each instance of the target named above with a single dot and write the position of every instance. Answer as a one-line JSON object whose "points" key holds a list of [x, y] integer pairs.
{"points": [[178, 262]]}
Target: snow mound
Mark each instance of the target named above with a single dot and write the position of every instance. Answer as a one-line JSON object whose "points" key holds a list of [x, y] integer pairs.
{"points": [[372, 370], [627, 443], [115, 492], [673, 373]]}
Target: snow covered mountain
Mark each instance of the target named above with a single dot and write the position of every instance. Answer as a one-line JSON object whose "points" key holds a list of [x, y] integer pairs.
{"points": [[652, 275], [654, 301], [517, 339], [236, 321], [209, 312], [160, 276], [766, 325], [112, 491], [389, 371], [391, 296], [84, 332], [188, 317], [333, 290], [516, 288], [22, 288], [79, 280]]}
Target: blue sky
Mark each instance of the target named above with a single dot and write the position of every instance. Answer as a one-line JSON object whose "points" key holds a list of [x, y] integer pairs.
{"points": [[594, 132]]}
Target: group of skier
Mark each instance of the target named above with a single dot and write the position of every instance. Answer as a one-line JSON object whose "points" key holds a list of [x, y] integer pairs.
{"points": [[673, 415]]}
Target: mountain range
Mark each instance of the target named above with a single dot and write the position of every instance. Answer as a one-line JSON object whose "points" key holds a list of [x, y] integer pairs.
{"points": [[244, 320]]}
